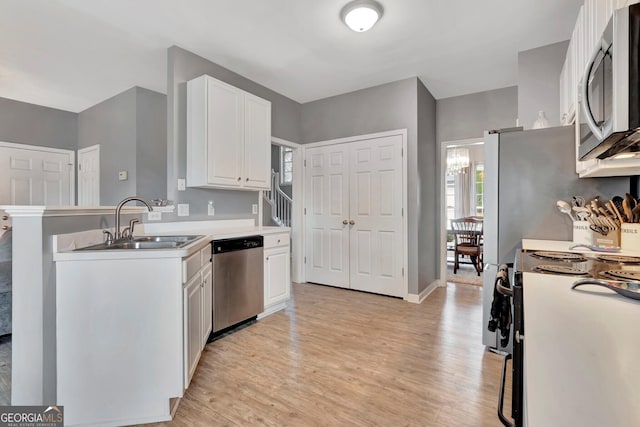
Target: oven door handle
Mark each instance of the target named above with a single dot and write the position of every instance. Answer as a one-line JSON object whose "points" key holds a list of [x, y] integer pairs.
{"points": [[505, 421], [597, 131]]}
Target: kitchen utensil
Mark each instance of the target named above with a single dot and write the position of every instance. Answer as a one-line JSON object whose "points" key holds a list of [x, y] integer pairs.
{"points": [[629, 290], [617, 202], [582, 213], [612, 207], [628, 204], [565, 208], [578, 201], [635, 212]]}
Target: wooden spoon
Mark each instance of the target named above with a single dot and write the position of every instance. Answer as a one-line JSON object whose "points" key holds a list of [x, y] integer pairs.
{"points": [[636, 214], [627, 205]]}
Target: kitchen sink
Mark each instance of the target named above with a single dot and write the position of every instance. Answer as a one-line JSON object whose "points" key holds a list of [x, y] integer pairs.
{"points": [[144, 242]]}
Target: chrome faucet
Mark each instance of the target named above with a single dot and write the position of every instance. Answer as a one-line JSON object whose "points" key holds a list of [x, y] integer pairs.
{"points": [[117, 235]]}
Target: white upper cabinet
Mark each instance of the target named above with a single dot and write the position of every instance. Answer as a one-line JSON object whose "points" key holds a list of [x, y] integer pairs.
{"points": [[228, 136]]}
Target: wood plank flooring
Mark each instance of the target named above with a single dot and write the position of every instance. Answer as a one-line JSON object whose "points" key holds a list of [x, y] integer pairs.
{"points": [[343, 358]]}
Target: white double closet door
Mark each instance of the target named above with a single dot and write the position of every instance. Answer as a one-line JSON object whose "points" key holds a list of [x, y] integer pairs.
{"points": [[354, 234]]}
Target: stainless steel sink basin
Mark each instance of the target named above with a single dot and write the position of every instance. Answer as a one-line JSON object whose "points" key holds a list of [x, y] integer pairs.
{"points": [[145, 242]]}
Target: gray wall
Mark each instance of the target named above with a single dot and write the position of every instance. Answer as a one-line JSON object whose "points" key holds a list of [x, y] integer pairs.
{"points": [[151, 144], [285, 118], [428, 215], [112, 124], [377, 109], [539, 83], [31, 124], [131, 131], [468, 116]]}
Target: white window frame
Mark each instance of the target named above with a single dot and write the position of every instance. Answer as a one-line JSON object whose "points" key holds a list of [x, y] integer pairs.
{"points": [[283, 150]]}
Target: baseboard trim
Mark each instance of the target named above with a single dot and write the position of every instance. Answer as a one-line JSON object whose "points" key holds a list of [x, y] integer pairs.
{"points": [[418, 298], [273, 309]]}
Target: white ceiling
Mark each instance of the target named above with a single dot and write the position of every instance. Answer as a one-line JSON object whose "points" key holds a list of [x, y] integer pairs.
{"points": [[72, 54]]}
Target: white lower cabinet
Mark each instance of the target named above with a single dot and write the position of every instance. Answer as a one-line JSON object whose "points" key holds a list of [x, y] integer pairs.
{"points": [[277, 272], [197, 294]]}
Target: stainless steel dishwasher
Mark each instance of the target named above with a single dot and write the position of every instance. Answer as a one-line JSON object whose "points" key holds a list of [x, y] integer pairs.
{"points": [[238, 281]]}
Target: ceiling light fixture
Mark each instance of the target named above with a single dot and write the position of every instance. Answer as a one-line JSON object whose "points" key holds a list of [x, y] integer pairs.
{"points": [[361, 15]]}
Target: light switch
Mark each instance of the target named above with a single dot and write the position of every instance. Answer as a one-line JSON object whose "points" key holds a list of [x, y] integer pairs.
{"points": [[254, 208], [183, 209], [123, 175], [182, 185], [154, 216], [211, 211]]}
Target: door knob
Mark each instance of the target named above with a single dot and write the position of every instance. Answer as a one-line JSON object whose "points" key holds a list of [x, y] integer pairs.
{"points": [[239, 178], [247, 179], [5, 217], [352, 222], [345, 222], [6, 227]]}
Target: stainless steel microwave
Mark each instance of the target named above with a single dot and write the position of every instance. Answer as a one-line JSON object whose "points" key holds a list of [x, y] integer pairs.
{"points": [[610, 90]]}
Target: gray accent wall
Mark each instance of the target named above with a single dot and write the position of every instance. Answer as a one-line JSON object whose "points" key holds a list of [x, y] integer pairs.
{"points": [[285, 119], [377, 109], [31, 124], [428, 214], [112, 124], [539, 83], [468, 116], [151, 144], [131, 131]]}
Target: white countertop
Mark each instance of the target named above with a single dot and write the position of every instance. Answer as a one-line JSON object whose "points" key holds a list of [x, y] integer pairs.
{"points": [[66, 243], [582, 353]]}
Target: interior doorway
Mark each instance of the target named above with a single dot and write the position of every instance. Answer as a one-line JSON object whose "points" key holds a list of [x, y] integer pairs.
{"points": [[462, 210]]}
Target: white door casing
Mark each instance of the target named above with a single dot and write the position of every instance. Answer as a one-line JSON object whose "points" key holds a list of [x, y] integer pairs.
{"points": [[359, 181], [89, 176], [375, 260], [32, 175], [327, 208]]}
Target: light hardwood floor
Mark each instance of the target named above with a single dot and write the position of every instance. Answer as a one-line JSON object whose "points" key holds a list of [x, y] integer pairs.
{"points": [[344, 358]]}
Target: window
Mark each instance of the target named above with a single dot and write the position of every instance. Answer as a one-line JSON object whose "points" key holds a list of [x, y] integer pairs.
{"points": [[479, 188], [286, 165]]}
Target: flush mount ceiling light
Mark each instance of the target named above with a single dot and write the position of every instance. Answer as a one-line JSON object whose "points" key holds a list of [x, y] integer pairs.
{"points": [[361, 15]]}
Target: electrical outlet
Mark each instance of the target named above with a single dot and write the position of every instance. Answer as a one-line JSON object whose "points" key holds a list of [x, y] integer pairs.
{"points": [[123, 175], [182, 184], [254, 208], [211, 211], [154, 216], [183, 209]]}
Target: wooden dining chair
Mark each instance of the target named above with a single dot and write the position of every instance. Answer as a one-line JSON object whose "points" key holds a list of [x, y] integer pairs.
{"points": [[468, 241]]}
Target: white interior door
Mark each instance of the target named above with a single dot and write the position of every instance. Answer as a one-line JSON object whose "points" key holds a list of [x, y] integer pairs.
{"points": [[327, 206], [375, 194], [31, 175], [89, 176]]}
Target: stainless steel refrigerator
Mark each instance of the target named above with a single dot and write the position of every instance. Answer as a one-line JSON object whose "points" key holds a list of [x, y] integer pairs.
{"points": [[525, 173]]}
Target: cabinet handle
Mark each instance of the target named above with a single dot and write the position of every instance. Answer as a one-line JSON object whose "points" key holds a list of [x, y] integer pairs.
{"points": [[267, 258], [239, 179], [345, 222], [352, 222]]}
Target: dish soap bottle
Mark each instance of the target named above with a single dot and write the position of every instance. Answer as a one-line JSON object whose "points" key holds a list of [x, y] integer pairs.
{"points": [[541, 122]]}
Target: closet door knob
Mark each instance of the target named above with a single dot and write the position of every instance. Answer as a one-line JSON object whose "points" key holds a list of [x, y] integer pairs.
{"points": [[239, 179], [352, 222], [247, 179], [345, 222]]}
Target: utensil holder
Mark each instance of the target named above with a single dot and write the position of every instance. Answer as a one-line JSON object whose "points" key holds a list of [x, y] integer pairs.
{"points": [[630, 236], [582, 233], [611, 240]]}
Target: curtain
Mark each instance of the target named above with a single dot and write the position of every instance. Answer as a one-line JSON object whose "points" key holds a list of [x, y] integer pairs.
{"points": [[463, 184]]}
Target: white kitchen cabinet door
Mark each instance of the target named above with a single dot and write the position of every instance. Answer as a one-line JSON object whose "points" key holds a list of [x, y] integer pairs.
{"points": [[327, 215], [375, 183], [225, 133], [207, 302], [257, 142], [277, 275], [192, 300], [228, 137]]}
